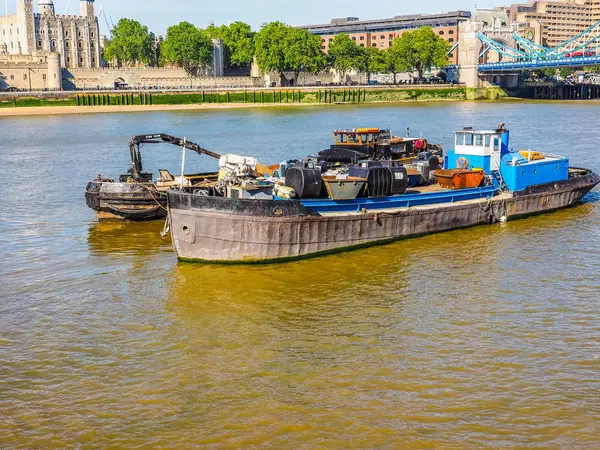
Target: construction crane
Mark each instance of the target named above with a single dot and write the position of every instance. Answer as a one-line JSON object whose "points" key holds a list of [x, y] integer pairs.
{"points": [[137, 141]]}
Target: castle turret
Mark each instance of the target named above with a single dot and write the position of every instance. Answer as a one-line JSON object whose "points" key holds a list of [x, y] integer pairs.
{"points": [[54, 72], [46, 7], [26, 35], [87, 8]]}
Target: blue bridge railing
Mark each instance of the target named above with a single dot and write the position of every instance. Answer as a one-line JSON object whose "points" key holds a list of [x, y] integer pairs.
{"points": [[540, 64]]}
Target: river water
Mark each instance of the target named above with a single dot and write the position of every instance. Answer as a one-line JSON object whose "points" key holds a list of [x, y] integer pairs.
{"points": [[488, 337]]}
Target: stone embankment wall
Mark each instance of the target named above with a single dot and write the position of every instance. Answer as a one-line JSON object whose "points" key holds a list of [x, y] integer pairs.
{"points": [[149, 78], [337, 95]]}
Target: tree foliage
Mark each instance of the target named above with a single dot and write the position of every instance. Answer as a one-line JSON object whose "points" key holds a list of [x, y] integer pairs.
{"points": [[345, 55], [419, 50], [281, 48], [238, 40], [130, 43], [303, 52], [376, 61], [187, 46]]}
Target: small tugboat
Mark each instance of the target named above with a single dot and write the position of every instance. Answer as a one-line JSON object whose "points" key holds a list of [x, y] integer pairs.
{"points": [[314, 208], [135, 196]]}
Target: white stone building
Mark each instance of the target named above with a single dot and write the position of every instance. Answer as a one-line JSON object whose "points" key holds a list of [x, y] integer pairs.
{"points": [[75, 37]]}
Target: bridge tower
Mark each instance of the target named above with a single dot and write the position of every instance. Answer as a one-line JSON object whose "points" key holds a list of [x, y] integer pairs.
{"points": [[472, 52]]}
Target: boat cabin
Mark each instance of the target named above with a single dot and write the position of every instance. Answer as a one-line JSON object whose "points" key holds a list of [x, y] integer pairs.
{"points": [[516, 170], [478, 150], [360, 137]]}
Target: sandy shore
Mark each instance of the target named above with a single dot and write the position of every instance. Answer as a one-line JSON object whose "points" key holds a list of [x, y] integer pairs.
{"points": [[56, 110]]}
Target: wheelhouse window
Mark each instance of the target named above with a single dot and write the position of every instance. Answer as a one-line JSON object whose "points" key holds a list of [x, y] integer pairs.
{"points": [[496, 144], [469, 139], [460, 138], [488, 140], [479, 140]]}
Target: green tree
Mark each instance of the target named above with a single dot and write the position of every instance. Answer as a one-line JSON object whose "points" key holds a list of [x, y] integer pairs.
{"points": [[130, 43], [375, 61], [238, 40], [187, 46], [303, 52], [345, 55], [419, 50], [281, 48], [269, 47]]}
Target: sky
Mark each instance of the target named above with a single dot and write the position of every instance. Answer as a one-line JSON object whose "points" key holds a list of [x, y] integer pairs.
{"points": [[158, 15]]}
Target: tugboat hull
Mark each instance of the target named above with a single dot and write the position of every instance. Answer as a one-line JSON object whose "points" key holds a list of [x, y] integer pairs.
{"points": [[223, 230], [126, 201]]}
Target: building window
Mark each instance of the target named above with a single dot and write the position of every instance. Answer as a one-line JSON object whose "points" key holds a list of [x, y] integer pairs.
{"points": [[451, 55], [24, 77], [79, 44], [441, 33], [391, 37], [382, 37], [44, 77], [451, 32], [362, 45], [322, 47], [382, 44], [12, 77], [40, 44], [80, 60], [67, 33], [354, 38], [322, 40], [362, 38], [92, 34], [451, 40], [374, 44]]}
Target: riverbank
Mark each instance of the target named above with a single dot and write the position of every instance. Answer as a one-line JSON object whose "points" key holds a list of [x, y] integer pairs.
{"points": [[51, 110], [93, 101]]}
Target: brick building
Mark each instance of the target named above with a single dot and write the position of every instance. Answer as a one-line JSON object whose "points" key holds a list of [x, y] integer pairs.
{"points": [[557, 21], [380, 33]]}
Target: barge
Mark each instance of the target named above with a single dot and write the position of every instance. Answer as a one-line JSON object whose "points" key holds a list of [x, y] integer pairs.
{"points": [[135, 196], [240, 229]]}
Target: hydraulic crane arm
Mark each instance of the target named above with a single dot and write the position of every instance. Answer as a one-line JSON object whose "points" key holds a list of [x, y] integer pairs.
{"points": [[136, 141]]}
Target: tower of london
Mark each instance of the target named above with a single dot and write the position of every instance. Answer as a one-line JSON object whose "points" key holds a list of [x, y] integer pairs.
{"points": [[75, 37]]}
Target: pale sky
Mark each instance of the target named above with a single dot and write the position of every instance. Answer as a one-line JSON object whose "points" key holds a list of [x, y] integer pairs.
{"points": [[158, 15]]}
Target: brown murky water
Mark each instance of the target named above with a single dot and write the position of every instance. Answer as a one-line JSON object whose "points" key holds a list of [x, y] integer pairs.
{"points": [[483, 338]]}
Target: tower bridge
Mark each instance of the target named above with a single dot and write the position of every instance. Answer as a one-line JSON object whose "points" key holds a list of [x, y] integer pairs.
{"points": [[491, 50]]}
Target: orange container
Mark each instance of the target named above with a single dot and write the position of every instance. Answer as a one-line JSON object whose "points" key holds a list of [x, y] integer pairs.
{"points": [[459, 178]]}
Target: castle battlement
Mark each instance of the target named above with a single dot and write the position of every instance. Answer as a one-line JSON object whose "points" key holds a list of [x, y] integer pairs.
{"points": [[32, 37]]}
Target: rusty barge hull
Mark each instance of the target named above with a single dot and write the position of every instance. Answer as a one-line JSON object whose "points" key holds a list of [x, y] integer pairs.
{"points": [[135, 202], [221, 230]]}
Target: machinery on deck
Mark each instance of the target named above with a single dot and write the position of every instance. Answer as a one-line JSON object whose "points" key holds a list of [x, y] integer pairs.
{"points": [[135, 196]]}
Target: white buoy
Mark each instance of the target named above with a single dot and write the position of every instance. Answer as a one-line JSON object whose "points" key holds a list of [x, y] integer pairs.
{"points": [[503, 219]]}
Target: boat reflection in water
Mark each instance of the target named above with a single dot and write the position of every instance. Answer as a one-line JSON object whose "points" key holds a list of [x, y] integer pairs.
{"points": [[127, 238]]}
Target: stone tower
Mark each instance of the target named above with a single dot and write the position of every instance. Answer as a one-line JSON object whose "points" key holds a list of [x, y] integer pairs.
{"points": [[46, 7], [26, 27], [87, 8]]}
